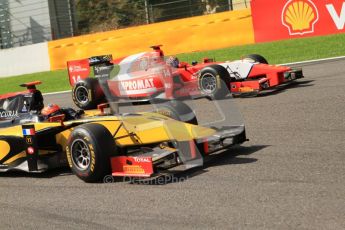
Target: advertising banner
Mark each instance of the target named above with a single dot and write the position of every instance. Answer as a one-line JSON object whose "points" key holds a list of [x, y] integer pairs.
{"points": [[186, 35], [285, 19]]}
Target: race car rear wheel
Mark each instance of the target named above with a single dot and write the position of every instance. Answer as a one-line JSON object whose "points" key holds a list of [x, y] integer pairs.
{"points": [[177, 110], [88, 150], [256, 58], [214, 81], [87, 93]]}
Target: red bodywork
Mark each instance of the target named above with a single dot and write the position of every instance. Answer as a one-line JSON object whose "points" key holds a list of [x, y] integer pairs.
{"points": [[143, 166], [132, 166], [261, 77], [148, 75]]}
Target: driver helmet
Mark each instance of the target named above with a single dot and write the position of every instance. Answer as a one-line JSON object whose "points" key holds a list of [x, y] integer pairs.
{"points": [[157, 58], [173, 61], [51, 110]]}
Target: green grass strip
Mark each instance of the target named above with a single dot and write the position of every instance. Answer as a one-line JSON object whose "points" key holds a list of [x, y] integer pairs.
{"points": [[275, 52]]}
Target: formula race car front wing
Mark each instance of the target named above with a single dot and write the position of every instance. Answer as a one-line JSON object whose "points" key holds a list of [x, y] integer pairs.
{"points": [[190, 153]]}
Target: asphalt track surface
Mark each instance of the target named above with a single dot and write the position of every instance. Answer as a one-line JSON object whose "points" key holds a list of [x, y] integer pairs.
{"points": [[290, 175]]}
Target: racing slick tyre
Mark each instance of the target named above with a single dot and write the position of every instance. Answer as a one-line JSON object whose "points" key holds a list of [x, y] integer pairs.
{"points": [[256, 58], [88, 150], [214, 81], [87, 93], [177, 110]]}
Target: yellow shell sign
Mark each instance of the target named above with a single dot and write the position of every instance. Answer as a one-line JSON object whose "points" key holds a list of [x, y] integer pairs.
{"points": [[300, 16], [205, 32]]}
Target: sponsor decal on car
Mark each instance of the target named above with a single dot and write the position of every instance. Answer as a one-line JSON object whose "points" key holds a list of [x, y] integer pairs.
{"points": [[8, 114], [28, 140], [133, 169], [163, 112], [30, 150], [27, 132], [69, 157], [132, 166], [142, 159], [137, 86], [77, 68]]}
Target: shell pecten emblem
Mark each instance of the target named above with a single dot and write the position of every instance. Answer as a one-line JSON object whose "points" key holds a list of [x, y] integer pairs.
{"points": [[300, 16]]}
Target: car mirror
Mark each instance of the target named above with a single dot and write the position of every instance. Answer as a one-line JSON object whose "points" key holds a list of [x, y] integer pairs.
{"points": [[58, 118]]}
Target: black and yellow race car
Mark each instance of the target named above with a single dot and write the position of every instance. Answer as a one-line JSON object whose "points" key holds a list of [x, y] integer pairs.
{"points": [[103, 142], [30, 99]]}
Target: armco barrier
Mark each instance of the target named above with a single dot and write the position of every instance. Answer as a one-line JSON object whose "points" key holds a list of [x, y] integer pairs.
{"points": [[178, 36], [25, 59], [286, 19]]}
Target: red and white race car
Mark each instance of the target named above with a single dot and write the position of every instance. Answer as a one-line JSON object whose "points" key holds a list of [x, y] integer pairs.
{"points": [[150, 75]]}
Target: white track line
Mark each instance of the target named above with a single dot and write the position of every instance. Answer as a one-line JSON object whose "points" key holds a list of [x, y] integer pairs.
{"points": [[55, 93], [292, 63], [315, 60]]}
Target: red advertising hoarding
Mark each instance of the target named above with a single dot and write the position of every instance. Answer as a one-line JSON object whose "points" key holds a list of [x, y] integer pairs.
{"points": [[284, 19]]}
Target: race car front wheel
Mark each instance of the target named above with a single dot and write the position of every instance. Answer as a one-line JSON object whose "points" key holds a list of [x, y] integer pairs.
{"points": [[256, 58], [177, 110], [87, 93], [88, 150], [213, 81]]}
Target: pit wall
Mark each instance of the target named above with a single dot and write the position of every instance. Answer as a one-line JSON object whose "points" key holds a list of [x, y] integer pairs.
{"points": [[24, 59]]}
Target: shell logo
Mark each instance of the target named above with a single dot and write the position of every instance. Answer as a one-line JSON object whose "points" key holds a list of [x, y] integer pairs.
{"points": [[300, 16]]}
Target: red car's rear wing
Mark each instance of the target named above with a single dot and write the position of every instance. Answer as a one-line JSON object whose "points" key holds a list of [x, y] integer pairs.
{"points": [[80, 69]]}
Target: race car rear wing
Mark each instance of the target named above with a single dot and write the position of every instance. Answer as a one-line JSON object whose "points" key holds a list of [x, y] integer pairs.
{"points": [[22, 101], [80, 69], [31, 85]]}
